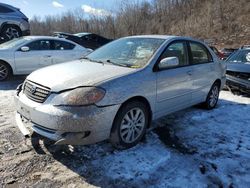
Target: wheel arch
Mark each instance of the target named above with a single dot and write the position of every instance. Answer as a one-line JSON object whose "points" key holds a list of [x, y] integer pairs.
{"points": [[9, 23], [6, 63], [217, 81], [140, 99]]}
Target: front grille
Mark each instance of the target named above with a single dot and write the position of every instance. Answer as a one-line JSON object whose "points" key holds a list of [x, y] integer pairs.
{"points": [[36, 92], [241, 75]]}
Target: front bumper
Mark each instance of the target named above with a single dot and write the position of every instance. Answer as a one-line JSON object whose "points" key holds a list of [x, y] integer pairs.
{"points": [[238, 84], [65, 125]]}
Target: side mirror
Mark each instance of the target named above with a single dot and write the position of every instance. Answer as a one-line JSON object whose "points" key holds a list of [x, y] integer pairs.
{"points": [[25, 49], [168, 62]]}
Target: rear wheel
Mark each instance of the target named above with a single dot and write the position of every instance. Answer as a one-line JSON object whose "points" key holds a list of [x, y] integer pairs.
{"points": [[10, 32], [4, 71], [130, 125], [212, 97]]}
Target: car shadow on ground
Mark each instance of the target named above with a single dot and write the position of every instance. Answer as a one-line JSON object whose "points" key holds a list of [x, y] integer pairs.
{"points": [[81, 159], [12, 83]]}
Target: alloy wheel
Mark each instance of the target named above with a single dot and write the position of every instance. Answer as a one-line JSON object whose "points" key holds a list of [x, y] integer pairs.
{"points": [[3, 72], [12, 32], [132, 125], [213, 98]]}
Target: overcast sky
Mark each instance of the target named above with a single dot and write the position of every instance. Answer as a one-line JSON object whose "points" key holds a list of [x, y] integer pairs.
{"points": [[49, 7]]}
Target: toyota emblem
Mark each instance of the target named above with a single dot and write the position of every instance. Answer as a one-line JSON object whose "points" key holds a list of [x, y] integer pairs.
{"points": [[33, 89]]}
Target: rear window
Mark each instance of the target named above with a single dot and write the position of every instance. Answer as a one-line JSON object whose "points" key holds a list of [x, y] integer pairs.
{"points": [[62, 45]]}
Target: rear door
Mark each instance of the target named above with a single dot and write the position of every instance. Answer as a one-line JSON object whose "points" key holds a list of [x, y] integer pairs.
{"points": [[64, 51], [38, 56], [203, 71], [174, 85]]}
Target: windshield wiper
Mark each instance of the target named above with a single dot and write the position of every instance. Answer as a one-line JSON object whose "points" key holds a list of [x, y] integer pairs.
{"points": [[118, 64], [92, 60]]}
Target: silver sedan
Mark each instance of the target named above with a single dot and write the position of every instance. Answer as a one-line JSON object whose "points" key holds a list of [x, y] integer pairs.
{"points": [[117, 90], [26, 54]]}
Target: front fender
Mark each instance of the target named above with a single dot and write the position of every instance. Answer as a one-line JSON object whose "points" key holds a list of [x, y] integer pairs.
{"points": [[140, 83]]}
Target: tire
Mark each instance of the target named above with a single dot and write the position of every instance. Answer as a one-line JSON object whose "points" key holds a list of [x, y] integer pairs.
{"points": [[130, 125], [5, 71], [212, 97], [10, 32]]}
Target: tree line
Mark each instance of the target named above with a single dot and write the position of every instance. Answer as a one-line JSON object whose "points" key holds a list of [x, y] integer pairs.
{"points": [[224, 21]]}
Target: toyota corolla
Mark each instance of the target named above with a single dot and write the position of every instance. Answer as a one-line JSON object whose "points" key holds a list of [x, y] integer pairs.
{"points": [[116, 91]]}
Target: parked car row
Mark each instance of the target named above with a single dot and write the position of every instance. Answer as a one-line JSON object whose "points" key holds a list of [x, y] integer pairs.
{"points": [[223, 53], [115, 91]]}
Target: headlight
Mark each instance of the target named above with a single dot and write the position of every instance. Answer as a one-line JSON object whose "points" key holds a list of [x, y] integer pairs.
{"points": [[79, 96]]}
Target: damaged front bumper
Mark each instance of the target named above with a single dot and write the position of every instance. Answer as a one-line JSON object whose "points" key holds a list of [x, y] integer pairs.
{"points": [[79, 125], [234, 83]]}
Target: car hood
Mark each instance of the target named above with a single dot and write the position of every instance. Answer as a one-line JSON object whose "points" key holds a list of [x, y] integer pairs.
{"points": [[75, 74], [239, 67]]}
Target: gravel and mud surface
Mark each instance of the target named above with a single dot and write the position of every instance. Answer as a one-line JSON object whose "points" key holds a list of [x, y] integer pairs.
{"points": [[191, 148]]}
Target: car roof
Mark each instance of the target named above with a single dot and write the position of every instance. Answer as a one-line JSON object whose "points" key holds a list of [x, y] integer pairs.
{"points": [[49, 38], [9, 6], [165, 37], [81, 34], [44, 37]]}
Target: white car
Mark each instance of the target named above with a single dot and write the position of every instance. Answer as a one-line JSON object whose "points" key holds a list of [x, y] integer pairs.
{"points": [[26, 54]]}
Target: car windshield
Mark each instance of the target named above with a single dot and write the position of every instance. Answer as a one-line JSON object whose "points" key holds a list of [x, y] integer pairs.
{"points": [[14, 43], [129, 52], [241, 56]]}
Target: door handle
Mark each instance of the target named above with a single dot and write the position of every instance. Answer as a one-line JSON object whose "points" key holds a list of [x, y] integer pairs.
{"points": [[189, 73], [47, 56]]}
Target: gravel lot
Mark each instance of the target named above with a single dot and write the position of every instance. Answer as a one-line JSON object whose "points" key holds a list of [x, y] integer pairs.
{"points": [[192, 148]]}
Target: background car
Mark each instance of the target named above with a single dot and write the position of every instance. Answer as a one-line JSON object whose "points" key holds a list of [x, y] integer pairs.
{"points": [[26, 54], [117, 90], [217, 52], [227, 52], [87, 40], [13, 23], [238, 71]]}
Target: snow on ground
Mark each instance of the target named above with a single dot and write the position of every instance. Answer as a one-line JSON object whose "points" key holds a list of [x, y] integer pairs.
{"points": [[191, 148]]}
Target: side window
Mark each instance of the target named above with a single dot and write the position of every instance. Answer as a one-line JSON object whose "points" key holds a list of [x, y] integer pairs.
{"points": [[62, 45], [199, 53], [40, 45], [179, 50], [5, 9]]}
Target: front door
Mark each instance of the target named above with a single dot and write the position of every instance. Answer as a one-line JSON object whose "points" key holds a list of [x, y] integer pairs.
{"points": [[39, 55], [174, 84]]}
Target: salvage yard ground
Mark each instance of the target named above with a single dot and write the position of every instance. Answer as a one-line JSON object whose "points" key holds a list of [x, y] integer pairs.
{"points": [[191, 148]]}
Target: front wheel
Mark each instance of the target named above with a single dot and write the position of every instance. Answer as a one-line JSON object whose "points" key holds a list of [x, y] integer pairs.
{"points": [[212, 97], [130, 125]]}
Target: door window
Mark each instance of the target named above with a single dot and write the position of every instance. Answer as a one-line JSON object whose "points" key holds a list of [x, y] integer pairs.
{"points": [[40, 45], [62, 45], [179, 50], [199, 53]]}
